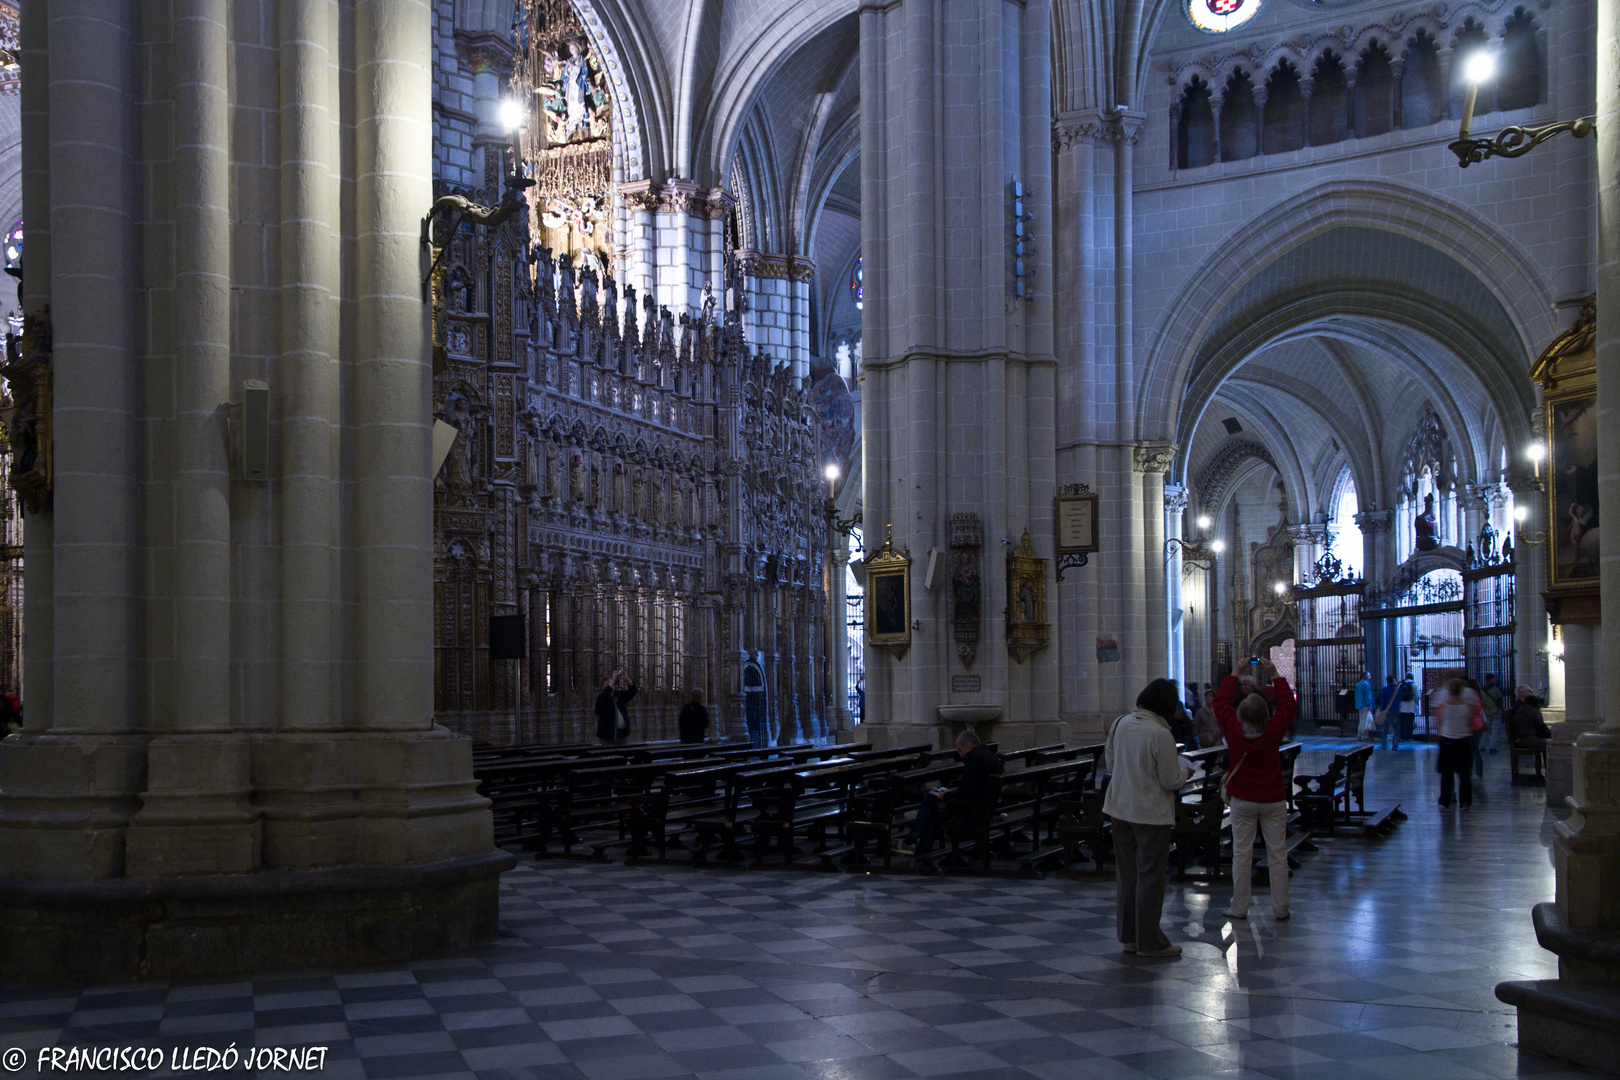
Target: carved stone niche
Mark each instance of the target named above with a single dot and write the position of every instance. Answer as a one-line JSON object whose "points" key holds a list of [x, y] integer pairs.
{"points": [[967, 590], [1027, 628]]}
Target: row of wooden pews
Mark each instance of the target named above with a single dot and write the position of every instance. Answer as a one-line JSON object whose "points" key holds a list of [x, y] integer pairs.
{"points": [[845, 806]]}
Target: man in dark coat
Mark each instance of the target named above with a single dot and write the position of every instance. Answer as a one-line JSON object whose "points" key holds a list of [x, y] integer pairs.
{"points": [[693, 723], [611, 701], [1525, 724], [979, 764]]}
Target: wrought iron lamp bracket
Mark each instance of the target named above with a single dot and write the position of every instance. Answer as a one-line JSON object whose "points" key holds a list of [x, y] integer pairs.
{"points": [[1193, 553], [489, 216], [1517, 141]]}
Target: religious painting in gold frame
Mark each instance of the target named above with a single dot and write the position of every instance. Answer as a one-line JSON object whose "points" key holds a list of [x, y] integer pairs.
{"points": [[1567, 372], [888, 597]]}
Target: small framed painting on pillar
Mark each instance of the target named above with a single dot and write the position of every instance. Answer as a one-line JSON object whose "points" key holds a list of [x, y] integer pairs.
{"points": [[888, 598]]}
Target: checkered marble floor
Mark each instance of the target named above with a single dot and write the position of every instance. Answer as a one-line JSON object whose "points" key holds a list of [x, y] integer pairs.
{"points": [[615, 973]]}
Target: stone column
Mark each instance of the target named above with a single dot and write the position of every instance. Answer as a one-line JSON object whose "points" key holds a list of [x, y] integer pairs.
{"points": [[1308, 542], [1175, 508], [70, 784], [1608, 342], [641, 253], [1378, 562], [306, 389], [1575, 1016], [195, 816], [959, 372], [39, 608], [839, 717], [1529, 581], [162, 820], [392, 378], [1154, 462]]}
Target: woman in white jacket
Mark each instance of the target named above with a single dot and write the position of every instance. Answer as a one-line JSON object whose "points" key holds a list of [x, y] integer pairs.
{"points": [[1146, 772]]}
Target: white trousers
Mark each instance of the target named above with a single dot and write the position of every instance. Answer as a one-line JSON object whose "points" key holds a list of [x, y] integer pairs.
{"points": [[1272, 818]]}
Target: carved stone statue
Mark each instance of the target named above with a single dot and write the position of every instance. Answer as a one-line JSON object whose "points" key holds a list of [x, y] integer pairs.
{"points": [[1425, 525], [458, 413]]}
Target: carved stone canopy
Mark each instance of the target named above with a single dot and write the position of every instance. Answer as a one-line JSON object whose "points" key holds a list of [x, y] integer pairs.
{"points": [[1027, 628]]}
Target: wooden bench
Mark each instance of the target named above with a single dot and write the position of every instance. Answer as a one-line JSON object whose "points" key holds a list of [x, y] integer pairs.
{"points": [[1324, 800], [1081, 823], [1538, 760]]}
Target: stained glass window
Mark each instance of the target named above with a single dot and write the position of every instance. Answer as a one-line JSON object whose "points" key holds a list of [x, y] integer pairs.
{"points": [[1218, 16], [855, 289], [14, 248]]}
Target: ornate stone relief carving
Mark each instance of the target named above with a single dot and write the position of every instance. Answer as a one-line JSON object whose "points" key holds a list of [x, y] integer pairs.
{"points": [[967, 590]]}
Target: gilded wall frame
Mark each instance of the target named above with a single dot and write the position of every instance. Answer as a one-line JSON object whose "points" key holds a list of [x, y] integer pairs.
{"points": [[888, 597], [1567, 372]]}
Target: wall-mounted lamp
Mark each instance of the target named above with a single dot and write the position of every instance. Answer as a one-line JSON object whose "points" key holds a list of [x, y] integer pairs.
{"points": [[1514, 141], [1521, 514], [1536, 453], [1196, 552], [512, 116], [1280, 588], [513, 119], [833, 473]]}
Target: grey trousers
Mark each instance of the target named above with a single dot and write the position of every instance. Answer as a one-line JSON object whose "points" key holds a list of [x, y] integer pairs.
{"points": [[1141, 863]]}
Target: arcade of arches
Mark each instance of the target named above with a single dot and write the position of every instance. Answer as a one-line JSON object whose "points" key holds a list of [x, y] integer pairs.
{"points": [[710, 295]]}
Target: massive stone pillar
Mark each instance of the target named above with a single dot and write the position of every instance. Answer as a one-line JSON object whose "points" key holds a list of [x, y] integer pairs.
{"points": [[232, 763], [959, 376], [1577, 1015]]}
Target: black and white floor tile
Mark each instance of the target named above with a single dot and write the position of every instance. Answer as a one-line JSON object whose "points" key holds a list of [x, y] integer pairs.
{"points": [[1385, 972]]}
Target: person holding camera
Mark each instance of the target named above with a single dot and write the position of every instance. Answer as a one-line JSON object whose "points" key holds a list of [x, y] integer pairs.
{"points": [[612, 717], [1254, 782]]}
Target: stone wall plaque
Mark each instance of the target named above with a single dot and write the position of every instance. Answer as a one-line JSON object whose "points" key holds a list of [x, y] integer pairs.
{"points": [[964, 684]]}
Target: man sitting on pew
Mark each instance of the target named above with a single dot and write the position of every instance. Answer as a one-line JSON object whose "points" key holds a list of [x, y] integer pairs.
{"points": [[1526, 727], [979, 764]]}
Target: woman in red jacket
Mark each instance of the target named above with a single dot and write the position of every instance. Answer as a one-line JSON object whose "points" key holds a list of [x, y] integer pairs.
{"points": [[1255, 783]]}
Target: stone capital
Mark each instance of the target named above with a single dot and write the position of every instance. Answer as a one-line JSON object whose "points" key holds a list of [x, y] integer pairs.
{"points": [[1522, 478], [766, 264], [1372, 522], [1098, 127], [1308, 533], [1175, 497], [1153, 457], [642, 195], [485, 51]]}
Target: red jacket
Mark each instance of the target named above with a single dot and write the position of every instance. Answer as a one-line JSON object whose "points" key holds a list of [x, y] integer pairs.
{"points": [[1260, 777]]}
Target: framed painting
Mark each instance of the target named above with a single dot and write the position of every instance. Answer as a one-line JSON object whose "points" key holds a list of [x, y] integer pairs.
{"points": [[888, 596], [1572, 487]]}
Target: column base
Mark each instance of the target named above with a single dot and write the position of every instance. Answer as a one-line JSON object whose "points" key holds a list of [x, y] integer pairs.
{"points": [[1571, 1021], [152, 928]]}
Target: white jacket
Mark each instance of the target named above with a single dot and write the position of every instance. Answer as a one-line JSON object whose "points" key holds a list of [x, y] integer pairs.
{"points": [[1141, 755]]}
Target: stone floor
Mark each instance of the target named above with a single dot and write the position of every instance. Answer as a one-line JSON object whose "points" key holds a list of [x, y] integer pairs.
{"points": [[612, 973]]}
